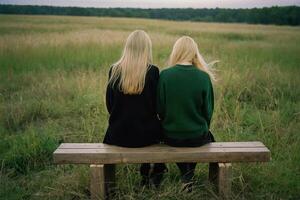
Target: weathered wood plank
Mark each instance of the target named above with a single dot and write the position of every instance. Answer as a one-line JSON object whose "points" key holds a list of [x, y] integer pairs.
{"points": [[162, 151], [224, 180], [97, 182], [113, 156], [210, 145]]}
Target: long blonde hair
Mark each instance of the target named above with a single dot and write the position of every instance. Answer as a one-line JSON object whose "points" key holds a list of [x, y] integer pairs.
{"points": [[133, 65], [186, 49]]}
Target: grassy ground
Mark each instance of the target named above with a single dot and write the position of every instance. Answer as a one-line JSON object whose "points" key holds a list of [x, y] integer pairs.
{"points": [[53, 72]]}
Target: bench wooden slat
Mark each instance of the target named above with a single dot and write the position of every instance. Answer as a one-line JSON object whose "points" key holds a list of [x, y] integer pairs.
{"points": [[161, 153], [211, 145], [134, 158]]}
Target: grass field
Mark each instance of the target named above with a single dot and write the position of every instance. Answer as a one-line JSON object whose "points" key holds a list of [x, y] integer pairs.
{"points": [[53, 73]]}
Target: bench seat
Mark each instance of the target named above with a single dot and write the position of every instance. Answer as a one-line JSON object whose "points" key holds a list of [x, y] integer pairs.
{"points": [[102, 159], [98, 153]]}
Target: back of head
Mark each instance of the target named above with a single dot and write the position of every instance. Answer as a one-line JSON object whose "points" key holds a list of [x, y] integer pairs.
{"points": [[132, 67], [186, 49]]}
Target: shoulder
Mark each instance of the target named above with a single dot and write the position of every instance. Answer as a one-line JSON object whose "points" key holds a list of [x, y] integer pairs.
{"points": [[153, 71], [205, 78], [167, 71], [203, 74]]}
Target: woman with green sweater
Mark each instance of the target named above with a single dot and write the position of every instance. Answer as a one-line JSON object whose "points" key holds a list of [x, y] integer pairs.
{"points": [[186, 101]]}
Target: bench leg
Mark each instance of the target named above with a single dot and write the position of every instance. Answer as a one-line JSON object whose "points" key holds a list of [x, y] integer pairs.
{"points": [[110, 179], [97, 182], [220, 174], [102, 181]]}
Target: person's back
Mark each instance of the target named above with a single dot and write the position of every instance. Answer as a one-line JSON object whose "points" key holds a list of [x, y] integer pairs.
{"points": [[133, 120], [189, 96]]}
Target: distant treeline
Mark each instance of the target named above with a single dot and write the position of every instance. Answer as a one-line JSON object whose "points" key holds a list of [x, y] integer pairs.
{"points": [[289, 15]]}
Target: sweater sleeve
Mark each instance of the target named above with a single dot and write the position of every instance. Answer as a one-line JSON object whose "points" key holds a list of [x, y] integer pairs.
{"points": [[208, 106], [109, 94], [161, 99]]}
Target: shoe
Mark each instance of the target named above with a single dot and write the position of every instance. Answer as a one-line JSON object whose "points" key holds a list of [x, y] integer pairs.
{"points": [[145, 182], [157, 177], [187, 181], [187, 187]]}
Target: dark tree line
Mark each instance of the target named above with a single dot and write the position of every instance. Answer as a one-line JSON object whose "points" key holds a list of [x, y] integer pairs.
{"points": [[289, 15]]}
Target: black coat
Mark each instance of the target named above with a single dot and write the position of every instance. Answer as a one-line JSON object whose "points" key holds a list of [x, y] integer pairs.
{"points": [[133, 121]]}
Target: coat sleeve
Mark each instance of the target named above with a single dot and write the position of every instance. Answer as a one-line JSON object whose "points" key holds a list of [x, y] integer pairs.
{"points": [[109, 94], [208, 106]]}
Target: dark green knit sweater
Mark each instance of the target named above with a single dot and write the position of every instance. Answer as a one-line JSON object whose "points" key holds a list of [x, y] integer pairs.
{"points": [[185, 101]]}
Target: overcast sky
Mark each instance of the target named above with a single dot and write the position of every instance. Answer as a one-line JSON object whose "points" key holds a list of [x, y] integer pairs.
{"points": [[158, 3]]}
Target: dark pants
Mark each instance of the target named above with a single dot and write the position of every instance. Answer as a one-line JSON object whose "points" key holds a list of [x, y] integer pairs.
{"points": [[187, 170], [156, 173]]}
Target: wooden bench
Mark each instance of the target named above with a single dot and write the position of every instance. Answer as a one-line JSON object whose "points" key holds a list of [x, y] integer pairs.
{"points": [[102, 159]]}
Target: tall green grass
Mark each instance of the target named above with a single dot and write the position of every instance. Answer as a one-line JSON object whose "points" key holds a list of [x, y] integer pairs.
{"points": [[53, 74]]}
